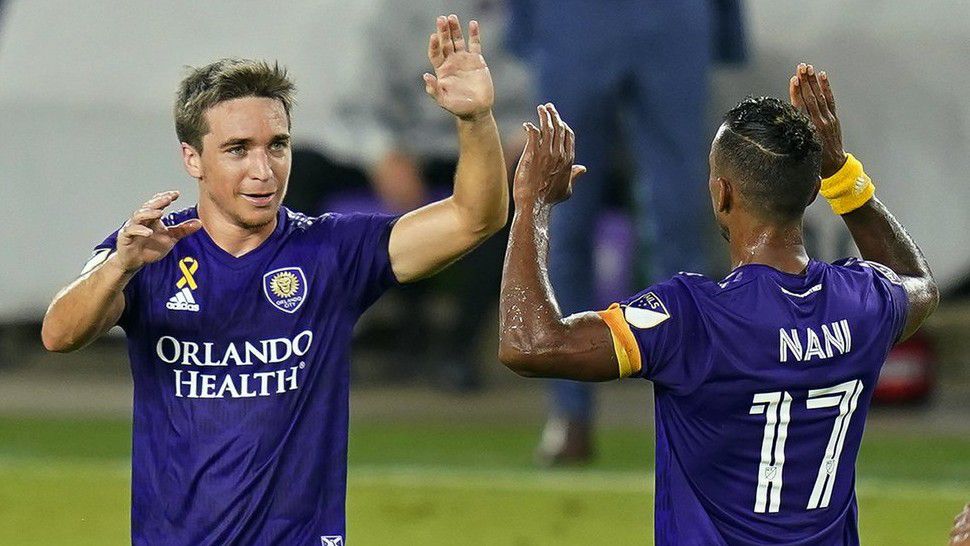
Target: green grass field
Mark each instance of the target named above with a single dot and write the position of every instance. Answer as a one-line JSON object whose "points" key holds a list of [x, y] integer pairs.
{"points": [[66, 481]]}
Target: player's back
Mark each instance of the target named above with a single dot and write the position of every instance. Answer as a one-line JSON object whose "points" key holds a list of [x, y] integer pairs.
{"points": [[762, 386]]}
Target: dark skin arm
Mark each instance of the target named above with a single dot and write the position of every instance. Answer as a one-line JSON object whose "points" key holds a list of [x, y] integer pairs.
{"points": [[960, 535], [877, 233], [535, 340]]}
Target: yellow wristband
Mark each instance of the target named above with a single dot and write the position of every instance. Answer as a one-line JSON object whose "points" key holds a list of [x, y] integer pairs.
{"points": [[848, 189]]}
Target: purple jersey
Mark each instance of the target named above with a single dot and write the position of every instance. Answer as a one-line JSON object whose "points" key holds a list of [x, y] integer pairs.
{"points": [[241, 372], [762, 386]]}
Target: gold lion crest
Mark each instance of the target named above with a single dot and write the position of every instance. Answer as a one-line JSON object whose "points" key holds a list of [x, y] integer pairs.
{"points": [[284, 284]]}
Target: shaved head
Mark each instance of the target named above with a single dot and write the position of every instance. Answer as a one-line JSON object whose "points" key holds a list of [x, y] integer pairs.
{"points": [[772, 153]]}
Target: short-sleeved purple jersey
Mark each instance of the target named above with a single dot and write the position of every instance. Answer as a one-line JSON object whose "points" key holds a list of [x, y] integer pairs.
{"points": [[241, 372], [762, 384]]}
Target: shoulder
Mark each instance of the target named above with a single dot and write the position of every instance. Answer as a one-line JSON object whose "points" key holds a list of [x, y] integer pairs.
{"points": [[301, 223], [864, 270], [302, 226], [171, 219], [343, 226], [345, 232], [176, 217], [678, 298], [687, 288], [681, 285], [736, 279], [327, 222]]}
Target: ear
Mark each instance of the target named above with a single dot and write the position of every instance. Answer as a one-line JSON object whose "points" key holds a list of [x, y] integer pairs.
{"points": [[818, 185], [192, 159], [723, 194]]}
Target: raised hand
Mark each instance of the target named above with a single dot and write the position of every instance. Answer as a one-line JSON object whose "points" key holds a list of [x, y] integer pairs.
{"points": [[960, 535], [144, 239], [811, 92], [461, 83], [545, 173]]}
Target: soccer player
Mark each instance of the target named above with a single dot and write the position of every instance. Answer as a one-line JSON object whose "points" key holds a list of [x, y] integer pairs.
{"points": [[239, 312], [762, 380]]}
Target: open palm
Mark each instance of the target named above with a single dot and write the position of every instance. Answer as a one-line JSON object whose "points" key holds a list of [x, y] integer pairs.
{"points": [[461, 83]]}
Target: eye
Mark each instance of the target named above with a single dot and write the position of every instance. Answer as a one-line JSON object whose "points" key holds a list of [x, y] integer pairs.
{"points": [[239, 150], [279, 145]]}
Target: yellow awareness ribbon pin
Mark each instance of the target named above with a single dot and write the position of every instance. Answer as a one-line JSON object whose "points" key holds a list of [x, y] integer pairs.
{"points": [[188, 266]]}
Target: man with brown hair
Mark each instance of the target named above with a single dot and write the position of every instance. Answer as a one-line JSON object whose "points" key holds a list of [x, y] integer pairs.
{"points": [[239, 312]]}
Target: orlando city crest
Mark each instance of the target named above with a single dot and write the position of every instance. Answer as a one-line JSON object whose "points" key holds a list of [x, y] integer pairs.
{"points": [[285, 288]]}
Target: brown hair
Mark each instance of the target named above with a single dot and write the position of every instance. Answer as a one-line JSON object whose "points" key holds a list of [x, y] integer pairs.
{"points": [[223, 80]]}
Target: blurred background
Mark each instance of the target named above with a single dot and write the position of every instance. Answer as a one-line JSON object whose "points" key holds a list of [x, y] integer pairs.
{"points": [[444, 439]]}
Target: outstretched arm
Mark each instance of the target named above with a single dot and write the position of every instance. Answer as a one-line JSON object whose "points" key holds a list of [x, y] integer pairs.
{"points": [[92, 304], [534, 338], [877, 233], [428, 239]]}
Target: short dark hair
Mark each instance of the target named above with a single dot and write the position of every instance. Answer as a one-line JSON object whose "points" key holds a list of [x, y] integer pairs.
{"points": [[775, 152], [223, 80]]}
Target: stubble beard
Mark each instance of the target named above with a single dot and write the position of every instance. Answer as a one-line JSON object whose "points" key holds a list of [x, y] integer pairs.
{"points": [[251, 225]]}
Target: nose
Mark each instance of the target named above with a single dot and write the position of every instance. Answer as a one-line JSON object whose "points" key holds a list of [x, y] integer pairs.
{"points": [[259, 166]]}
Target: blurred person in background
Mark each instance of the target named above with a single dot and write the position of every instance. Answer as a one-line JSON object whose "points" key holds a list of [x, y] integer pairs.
{"points": [[239, 312], [647, 65], [319, 178], [410, 159]]}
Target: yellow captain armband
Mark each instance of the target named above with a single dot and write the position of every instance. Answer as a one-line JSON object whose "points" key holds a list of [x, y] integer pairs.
{"points": [[848, 189], [624, 344]]}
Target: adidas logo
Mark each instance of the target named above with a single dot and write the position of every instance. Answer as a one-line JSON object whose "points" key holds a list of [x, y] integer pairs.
{"points": [[182, 301]]}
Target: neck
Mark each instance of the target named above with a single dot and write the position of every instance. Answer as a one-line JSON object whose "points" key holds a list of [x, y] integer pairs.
{"points": [[228, 235], [777, 245]]}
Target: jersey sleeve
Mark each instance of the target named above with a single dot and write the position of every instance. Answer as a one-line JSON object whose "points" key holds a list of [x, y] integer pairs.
{"points": [[364, 260], [887, 288], [658, 335], [102, 251]]}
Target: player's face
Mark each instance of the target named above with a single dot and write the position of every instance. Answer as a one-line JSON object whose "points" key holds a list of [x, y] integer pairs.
{"points": [[245, 161]]}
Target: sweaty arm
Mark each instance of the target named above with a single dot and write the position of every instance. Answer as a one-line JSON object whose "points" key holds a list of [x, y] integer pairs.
{"points": [[960, 535], [881, 238], [535, 340], [877, 233], [428, 239], [92, 304]]}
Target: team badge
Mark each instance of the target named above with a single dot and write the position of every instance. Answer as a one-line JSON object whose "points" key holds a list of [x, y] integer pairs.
{"points": [[332, 540], [646, 311], [285, 288]]}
